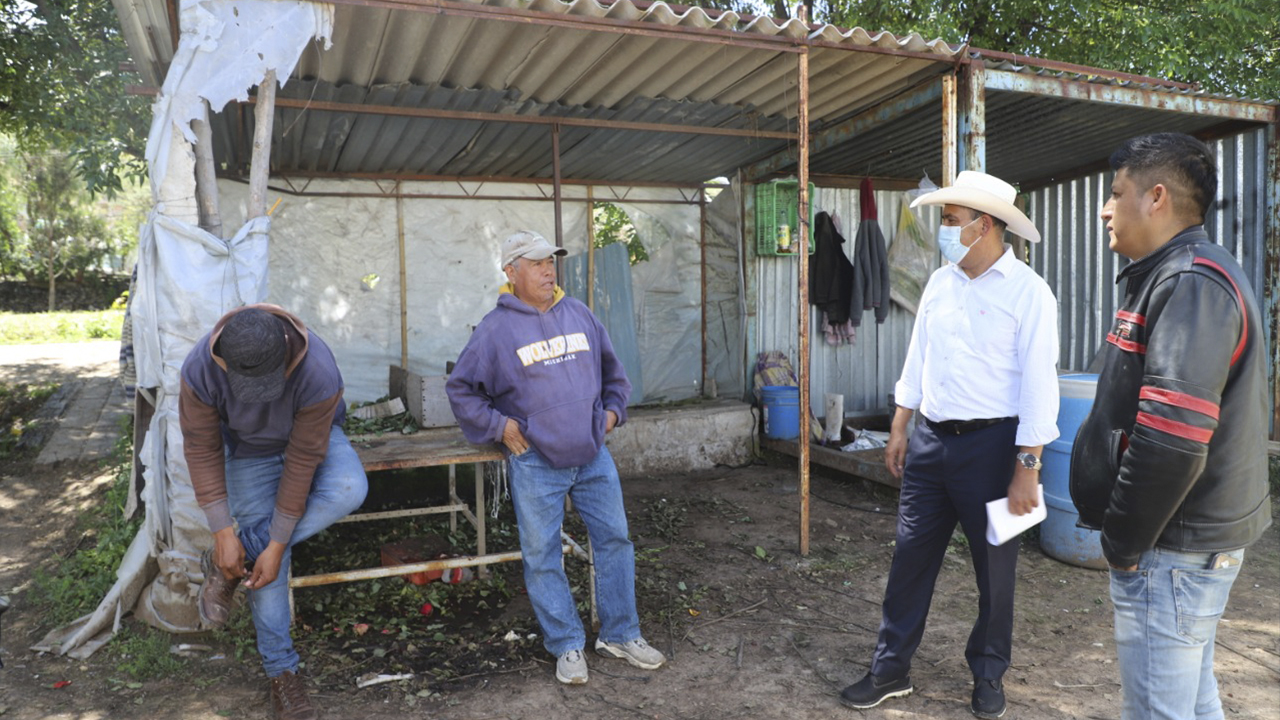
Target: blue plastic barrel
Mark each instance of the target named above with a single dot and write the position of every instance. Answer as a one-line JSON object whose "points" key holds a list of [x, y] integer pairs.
{"points": [[1059, 536], [781, 411]]}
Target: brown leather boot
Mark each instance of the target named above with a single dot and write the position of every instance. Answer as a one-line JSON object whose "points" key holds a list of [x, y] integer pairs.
{"points": [[217, 595], [289, 699]]}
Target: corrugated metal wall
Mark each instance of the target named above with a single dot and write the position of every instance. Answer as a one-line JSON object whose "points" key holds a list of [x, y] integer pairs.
{"points": [[864, 371], [1080, 268], [1074, 259]]}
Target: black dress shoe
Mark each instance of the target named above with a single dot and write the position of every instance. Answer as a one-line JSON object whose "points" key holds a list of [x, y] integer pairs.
{"points": [[870, 691], [988, 698]]}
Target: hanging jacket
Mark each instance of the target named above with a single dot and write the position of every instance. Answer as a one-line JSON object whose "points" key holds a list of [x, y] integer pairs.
{"points": [[830, 272], [870, 264]]}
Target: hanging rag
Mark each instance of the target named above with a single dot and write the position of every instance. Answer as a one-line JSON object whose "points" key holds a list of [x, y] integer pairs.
{"points": [[830, 272], [870, 264]]}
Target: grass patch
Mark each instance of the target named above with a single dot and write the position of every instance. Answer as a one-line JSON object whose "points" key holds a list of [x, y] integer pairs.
{"points": [[74, 584], [19, 405], [32, 328], [142, 653]]}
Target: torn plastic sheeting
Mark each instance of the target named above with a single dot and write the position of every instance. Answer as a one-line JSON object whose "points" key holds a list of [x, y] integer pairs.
{"points": [[614, 305], [226, 49], [322, 247]]}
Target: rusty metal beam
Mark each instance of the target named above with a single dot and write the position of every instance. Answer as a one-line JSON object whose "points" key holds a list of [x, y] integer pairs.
{"points": [[949, 144], [973, 118], [1078, 69], [478, 178], [802, 256], [472, 116], [1271, 245], [845, 130], [556, 193], [1003, 80]]}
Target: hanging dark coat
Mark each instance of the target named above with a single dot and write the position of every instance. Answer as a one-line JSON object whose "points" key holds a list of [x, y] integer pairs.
{"points": [[870, 263], [830, 272]]}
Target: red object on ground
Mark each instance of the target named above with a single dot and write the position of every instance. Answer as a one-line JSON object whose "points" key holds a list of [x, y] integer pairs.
{"points": [[61, 684]]}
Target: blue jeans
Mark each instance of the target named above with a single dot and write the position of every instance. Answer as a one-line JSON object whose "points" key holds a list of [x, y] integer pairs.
{"points": [[338, 488], [1167, 615], [537, 492]]}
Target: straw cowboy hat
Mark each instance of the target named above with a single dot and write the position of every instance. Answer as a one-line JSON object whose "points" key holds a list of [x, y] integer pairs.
{"points": [[984, 193]]}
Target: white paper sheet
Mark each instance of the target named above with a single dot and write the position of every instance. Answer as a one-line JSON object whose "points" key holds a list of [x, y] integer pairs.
{"points": [[1003, 526]]}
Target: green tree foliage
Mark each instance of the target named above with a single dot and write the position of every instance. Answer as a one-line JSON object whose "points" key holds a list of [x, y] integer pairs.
{"points": [[1224, 46], [612, 226], [66, 232], [61, 86]]}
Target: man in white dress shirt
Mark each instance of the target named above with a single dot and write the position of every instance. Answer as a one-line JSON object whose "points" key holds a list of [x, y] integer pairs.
{"points": [[980, 370]]}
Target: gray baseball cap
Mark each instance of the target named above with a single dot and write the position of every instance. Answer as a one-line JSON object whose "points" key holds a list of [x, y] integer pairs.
{"points": [[528, 244]]}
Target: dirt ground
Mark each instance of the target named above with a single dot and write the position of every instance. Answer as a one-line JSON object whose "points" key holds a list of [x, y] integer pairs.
{"points": [[752, 629]]}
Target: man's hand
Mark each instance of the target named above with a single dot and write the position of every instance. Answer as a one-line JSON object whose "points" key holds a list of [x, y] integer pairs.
{"points": [[228, 553], [267, 567], [895, 451], [1023, 497], [610, 421], [513, 438]]}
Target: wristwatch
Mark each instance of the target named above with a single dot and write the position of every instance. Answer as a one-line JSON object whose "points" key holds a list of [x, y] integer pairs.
{"points": [[1029, 461]]}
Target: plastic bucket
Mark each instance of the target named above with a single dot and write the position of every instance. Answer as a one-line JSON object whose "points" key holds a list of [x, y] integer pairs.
{"points": [[1059, 537], [781, 411]]}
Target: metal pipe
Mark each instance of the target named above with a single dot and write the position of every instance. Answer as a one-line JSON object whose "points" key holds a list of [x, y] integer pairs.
{"points": [[555, 183], [404, 284], [482, 178], [409, 569], [476, 116], [802, 372], [702, 276], [1271, 243], [591, 250]]}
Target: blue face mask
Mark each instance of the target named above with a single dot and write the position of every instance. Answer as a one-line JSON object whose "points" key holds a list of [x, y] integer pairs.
{"points": [[949, 241]]}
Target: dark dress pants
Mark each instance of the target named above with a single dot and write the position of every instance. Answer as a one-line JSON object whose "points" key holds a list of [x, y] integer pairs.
{"points": [[950, 478]]}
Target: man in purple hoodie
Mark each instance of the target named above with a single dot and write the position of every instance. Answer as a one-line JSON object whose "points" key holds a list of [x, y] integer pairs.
{"points": [[539, 375]]}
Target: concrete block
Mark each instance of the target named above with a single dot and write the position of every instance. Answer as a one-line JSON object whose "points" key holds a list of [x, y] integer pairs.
{"points": [[657, 441]]}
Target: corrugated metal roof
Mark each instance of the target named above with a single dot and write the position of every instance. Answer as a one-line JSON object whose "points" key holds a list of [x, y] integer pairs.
{"points": [[644, 62]]}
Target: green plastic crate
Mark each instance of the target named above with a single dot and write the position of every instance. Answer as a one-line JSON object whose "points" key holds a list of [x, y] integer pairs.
{"points": [[778, 203]]}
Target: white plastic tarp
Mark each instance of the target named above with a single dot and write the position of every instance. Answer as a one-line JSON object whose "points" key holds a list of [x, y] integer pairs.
{"points": [[324, 248]]}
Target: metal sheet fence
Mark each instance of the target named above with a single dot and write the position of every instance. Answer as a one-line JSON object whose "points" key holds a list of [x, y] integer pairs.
{"points": [[1081, 269], [1074, 259]]}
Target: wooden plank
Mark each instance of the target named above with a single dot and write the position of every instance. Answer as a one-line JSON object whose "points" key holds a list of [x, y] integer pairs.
{"points": [[425, 448], [866, 464]]}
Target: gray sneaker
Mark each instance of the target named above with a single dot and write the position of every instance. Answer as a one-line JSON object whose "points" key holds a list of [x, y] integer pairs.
{"points": [[637, 652], [571, 668]]}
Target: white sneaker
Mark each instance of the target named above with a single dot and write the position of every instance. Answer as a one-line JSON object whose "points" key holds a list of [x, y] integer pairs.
{"points": [[571, 668], [637, 652]]}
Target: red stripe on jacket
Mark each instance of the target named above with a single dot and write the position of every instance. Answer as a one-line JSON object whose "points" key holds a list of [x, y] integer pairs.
{"points": [[1128, 345], [1244, 321], [1132, 317], [1177, 399], [1173, 427]]}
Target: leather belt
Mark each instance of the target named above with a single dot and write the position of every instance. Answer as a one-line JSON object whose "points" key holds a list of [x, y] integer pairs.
{"points": [[960, 427]]}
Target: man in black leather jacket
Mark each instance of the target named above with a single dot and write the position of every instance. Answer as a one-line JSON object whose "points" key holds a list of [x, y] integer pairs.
{"points": [[1171, 463]]}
